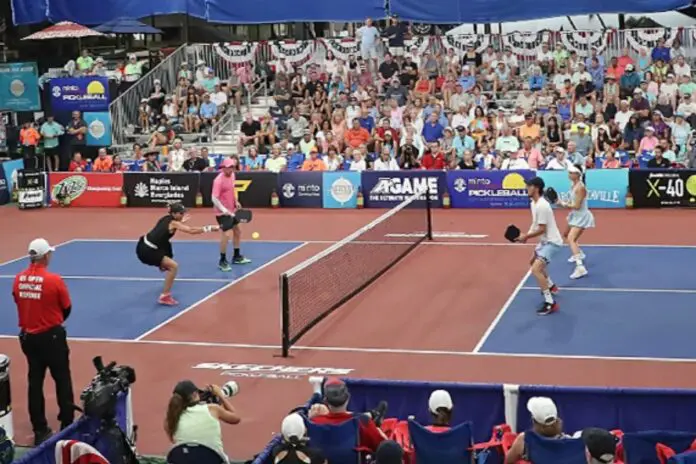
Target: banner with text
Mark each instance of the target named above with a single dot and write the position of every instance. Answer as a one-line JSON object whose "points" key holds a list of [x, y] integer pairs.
{"points": [[158, 189], [19, 87], [4, 188], [254, 189], [663, 188], [559, 181], [385, 189], [98, 129], [606, 188], [489, 189], [91, 189], [79, 94], [341, 189], [11, 168], [300, 189]]}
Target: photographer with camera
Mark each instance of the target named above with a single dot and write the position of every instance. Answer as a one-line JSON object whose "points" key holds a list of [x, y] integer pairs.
{"points": [[194, 415]]}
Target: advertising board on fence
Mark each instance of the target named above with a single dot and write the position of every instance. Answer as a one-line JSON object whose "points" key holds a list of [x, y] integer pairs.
{"points": [[98, 129], [91, 189], [254, 189], [663, 188], [341, 189], [606, 188], [300, 189], [19, 87], [489, 189], [158, 189], [559, 181], [4, 188], [79, 94], [385, 189]]}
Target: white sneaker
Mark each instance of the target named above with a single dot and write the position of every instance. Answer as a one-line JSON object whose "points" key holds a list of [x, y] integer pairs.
{"points": [[580, 271], [572, 258]]}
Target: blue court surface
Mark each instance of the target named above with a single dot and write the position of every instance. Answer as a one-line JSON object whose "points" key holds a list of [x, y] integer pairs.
{"points": [[114, 295], [637, 302]]}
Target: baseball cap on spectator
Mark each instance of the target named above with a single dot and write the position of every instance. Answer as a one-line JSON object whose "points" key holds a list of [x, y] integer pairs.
{"points": [[389, 452], [629, 67], [600, 444], [542, 409], [650, 128], [461, 128], [582, 126], [440, 399], [336, 392], [40, 247], [293, 427]]}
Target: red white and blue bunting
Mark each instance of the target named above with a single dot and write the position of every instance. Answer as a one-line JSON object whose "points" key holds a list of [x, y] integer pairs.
{"points": [[460, 43], [296, 52], [342, 48], [526, 44], [422, 44], [236, 53], [582, 42], [647, 39]]}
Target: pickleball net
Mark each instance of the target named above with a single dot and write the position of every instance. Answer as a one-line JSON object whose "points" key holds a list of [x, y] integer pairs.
{"points": [[318, 286]]}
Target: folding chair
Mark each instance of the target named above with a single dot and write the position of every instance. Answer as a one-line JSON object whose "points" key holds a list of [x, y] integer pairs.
{"points": [[450, 447], [194, 453], [542, 450], [688, 457], [340, 443], [640, 447]]}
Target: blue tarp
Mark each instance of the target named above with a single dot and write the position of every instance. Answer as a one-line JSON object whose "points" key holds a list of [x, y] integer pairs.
{"points": [[127, 26], [275, 11], [499, 11]]}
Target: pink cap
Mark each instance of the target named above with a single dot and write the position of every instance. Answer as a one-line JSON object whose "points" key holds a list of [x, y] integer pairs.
{"points": [[227, 163]]}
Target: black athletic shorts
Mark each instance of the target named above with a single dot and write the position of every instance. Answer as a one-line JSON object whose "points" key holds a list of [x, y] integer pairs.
{"points": [[226, 222], [151, 256]]}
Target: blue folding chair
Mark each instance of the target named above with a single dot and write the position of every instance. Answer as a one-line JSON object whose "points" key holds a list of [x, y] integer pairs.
{"points": [[639, 447], [689, 457], [194, 453], [339, 443], [541, 450], [450, 447]]}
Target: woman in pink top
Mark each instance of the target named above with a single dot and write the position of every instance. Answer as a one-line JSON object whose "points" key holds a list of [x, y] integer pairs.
{"points": [[225, 203], [531, 154], [649, 141]]}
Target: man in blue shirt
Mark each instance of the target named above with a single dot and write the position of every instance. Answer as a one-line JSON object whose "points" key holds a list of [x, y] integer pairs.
{"points": [[208, 110], [295, 158], [433, 130], [367, 122], [462, 142]]}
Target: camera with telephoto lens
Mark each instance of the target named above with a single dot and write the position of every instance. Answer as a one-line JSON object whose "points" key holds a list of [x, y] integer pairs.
{"points": [[208, 396], [100, 396]]}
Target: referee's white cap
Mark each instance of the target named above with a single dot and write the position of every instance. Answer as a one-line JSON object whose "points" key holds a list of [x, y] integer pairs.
{"points": [[39, 247]]}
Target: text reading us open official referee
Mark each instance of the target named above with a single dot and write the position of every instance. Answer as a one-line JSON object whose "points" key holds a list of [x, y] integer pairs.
{"points": [[43, 305]]}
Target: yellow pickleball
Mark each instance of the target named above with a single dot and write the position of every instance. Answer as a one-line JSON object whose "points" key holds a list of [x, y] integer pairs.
{"points": [[691, 185], [255, 235]]}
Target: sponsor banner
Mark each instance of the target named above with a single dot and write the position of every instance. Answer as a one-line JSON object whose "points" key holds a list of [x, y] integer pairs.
{"points": [[663, 188], [606, 188], [19, 87], [86, 189], [157, 189], [489, 189], [341, 189], [275, 372], [300, 189], [98, 129], [383, 189], [31, 189], [254, 189], [559, 181], [79, 94], [11, 168], [4, 188]]}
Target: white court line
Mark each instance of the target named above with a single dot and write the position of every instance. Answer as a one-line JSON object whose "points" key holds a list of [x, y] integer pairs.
{"points": [[617, 290], [502, 311], [220, 290], [128, 279], [26, 256], [363, 350]]}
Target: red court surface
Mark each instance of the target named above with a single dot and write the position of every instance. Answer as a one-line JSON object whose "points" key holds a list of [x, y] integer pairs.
{"points": [[422, 320]]}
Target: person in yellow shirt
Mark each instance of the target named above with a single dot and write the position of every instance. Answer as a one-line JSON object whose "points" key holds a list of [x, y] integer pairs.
{"points": [[314, 163], [103, 162]]}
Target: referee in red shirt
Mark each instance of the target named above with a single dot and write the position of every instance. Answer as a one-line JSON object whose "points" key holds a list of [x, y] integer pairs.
{"points": [[43, 304]]}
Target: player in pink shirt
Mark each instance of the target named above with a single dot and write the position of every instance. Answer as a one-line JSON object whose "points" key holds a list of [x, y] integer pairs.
{"points": [[225, 203]]}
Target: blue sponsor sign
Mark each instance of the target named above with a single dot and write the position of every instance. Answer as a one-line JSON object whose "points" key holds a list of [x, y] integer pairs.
{"points": [[559, 181], [19, 87], [606, 188], [488, 189], [386, 189], [10, 167], [4, 188], [341, 189], [79, 94], [301, 189], [98, 129]]}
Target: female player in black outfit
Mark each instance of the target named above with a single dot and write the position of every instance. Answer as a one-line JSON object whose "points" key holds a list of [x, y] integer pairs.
{"points": [[155, 247]]}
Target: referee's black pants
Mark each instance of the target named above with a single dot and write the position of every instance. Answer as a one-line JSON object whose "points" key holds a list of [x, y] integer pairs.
{"points": [[48, 350]]}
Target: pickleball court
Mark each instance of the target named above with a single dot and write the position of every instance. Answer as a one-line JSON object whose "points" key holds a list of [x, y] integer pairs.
{"points": [[458, 308]]}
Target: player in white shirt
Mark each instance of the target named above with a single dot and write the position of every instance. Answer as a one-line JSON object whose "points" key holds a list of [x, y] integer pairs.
{"points": [[550, 241]]}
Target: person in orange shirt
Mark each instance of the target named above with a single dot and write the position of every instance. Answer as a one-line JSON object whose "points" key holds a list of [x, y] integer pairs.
{"points": [[103, 162], [313, 163], [29, 138], [530, 128], [356, 135]]}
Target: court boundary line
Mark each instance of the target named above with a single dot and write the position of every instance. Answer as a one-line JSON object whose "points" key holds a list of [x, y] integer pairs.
{"points": [[491, 327], [218, 291], [130, 279], [367, 350], [56, 246], [619, 290]]}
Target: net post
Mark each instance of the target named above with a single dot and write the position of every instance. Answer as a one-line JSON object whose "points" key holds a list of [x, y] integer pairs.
{"points": [[285, 314], [429, 214]]}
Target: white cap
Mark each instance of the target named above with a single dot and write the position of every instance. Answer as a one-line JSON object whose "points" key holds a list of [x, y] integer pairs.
{"points": [[440, 399], [650, 128], [543, 410], [39, 247], [293, 426]]}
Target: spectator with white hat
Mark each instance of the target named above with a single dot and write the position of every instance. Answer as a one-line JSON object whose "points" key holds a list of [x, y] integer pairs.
{"points": [[293, 448], [545, 422], [440, 406]]}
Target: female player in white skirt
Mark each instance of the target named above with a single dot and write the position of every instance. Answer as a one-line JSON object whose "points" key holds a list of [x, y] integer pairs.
{"points": [[579, 219]]}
